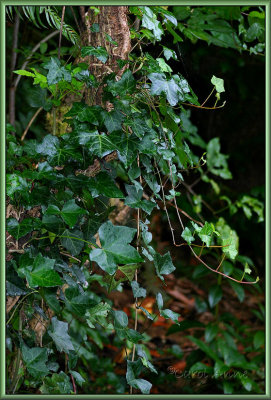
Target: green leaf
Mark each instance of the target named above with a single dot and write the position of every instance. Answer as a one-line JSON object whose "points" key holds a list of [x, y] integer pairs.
{"points": [[97, 144], [215, 295], [160, 301], [78, 302], [70, 212], [24, 72], [218, 83], [93, 314], [239, 290], [57, 384], [137, 290], [134, 368], [169, 314], [134, 199], [41, 272], [161, 84], [144, 359], [163, 264], [206, 233], [228, 239], [115, 247], [56, 73], [18, 230], [258, 340], [35, 359], [187, 235], [125, 85], [210, 332], [149, 21], [129, 270], [120, 319], [200, 367], [113, 120], [205, 348], [220, 368], [72, 241], [59, 334], [84, 113], [79, 379], [98, 52], [146, 312], [216, 161]]}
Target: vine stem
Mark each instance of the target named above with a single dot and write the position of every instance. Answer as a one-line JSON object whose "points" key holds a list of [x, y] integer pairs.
{"points": [[137, 248], [61, 29]]}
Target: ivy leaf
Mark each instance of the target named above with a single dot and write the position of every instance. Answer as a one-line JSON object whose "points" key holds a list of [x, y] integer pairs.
{"points": [[169, 314], [137, 290], [104, 184], [78, 302], [206, 233], [187, 235], [129, 270], [85, 113], [125, 85], [41, 273], [70, 212], [228, 239], [48, 146], [215, 295], [55, 72], [98, 144], [134, 199], [113, 120], [18, 230], [163, 264], [115, 247], [59, 334], [35, 359], [100, 310], [98, 52], [146, 312], [218, 83], [134, 368], [149, 21], [161, 84], [160, 301], [126, 146], [216, 161], [57, 384], [72, 241], [144, 359]]}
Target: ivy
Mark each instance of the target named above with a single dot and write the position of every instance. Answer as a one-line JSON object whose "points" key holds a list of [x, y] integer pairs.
{"points": [[131, 156]]}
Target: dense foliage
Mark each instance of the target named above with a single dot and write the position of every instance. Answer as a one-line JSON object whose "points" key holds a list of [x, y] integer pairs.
{"points": [[73, 171]]}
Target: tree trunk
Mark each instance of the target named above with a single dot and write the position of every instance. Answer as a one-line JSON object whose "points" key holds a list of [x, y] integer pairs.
{"points": [[112, 21]]}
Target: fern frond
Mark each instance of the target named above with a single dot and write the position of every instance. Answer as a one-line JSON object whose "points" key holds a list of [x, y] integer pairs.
{"points": [[33, 14]]}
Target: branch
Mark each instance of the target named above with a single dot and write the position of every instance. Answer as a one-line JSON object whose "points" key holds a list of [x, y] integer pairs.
{"points": [[12, 67]]}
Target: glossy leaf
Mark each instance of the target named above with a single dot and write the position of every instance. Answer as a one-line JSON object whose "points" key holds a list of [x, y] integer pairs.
{"points": [[59, 334], [115, 248], [163, 264]]}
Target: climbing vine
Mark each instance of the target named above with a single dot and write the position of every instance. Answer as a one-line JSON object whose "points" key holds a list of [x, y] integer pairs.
{"points": [[80, 196]]}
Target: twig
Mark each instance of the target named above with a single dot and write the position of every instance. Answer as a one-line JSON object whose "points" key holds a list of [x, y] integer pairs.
{"points": [[73, 384], [61, 29], [184, 213], [35, 48], [76, 20], [12, 67], [31, 122], [137, 248]]}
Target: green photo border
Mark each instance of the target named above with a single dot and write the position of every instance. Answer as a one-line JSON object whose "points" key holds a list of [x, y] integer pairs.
{"points": [[266, 4]]}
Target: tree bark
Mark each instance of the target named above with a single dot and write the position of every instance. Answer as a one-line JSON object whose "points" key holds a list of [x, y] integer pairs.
{"points": [[112, 21]]}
